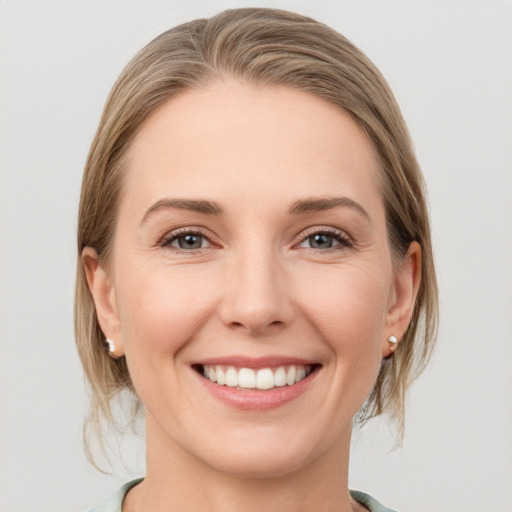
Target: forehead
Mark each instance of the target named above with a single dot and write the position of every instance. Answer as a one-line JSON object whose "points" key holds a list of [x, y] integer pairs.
{"points": [[230, 134]]}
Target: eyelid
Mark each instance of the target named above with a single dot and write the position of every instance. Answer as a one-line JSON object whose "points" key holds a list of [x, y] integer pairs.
{"points": [[342, 236], [174, 234]]}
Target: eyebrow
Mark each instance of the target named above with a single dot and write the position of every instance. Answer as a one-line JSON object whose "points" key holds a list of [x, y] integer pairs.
{"points": [[300, 206], [314, 204], [195, 205]]}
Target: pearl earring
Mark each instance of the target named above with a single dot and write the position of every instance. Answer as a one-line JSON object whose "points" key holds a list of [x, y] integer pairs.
{"points": [[110, 346], [394, 342]]}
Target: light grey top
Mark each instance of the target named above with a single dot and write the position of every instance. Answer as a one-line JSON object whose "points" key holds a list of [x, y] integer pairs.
{"points": [[115, 502]]}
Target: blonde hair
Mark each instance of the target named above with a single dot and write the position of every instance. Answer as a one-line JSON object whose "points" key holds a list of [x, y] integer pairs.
{"points": [[267, 47]]}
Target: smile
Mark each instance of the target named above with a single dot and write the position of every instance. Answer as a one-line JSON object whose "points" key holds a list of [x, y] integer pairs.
{"points": [[262, 378], [256, 384]]}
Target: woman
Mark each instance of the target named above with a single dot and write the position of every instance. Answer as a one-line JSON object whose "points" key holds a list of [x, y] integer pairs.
{"points": [[255, 256]]}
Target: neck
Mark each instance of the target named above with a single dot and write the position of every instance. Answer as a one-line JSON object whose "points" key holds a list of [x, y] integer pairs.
{"points": [[178, 480]]}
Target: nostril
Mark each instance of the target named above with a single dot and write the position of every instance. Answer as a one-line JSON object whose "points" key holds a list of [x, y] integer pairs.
{"points": [[256, 328]]}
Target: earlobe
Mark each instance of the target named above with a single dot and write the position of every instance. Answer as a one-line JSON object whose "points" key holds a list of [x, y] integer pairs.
{"points": [[406, 286], [103, 293]]}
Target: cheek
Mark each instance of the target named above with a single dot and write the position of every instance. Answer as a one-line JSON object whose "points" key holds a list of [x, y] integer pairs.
{"points": [[349, 313], [160, 311], [349, 307]]}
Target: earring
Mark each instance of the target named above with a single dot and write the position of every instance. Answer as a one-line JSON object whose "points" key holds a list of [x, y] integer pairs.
{"points": [[110, 346], [394, 342]]}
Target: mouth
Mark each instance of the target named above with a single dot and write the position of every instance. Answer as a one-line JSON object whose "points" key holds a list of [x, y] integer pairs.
{"points": [[256, 384], [261, 378], [255, 376]]}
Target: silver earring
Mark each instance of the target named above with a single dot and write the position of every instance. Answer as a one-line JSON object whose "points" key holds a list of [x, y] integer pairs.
{"points": [[110, 346]]}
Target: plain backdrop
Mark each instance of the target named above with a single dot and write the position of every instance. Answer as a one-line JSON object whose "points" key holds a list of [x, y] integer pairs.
{"points": [[450, 65]]}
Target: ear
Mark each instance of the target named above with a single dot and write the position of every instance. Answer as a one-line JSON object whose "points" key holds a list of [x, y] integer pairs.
{"points": [[102, 289], [405, 289]]}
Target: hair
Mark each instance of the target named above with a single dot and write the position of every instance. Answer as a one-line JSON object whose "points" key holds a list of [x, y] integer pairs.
{"points": [[265, 47]]}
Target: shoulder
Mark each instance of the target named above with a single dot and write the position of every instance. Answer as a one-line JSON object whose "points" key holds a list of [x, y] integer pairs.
{"points": [[370, 503], [115, 502]]}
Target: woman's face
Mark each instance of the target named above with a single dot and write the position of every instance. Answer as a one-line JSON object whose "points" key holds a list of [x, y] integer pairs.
{"points": [[251, 246]]}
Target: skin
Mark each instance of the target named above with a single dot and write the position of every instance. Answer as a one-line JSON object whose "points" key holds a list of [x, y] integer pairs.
{"points": [[256, 286]]}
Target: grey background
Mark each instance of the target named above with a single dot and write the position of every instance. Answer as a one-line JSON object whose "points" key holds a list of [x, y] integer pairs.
{"points": [[450, 65]]}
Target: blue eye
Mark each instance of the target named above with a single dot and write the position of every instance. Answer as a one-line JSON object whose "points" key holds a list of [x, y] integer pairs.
{"points": [[320, 241], [187, 241], [324, 240]]}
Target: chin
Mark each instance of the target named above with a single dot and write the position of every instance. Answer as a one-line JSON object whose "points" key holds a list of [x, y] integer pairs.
{"points": [[259, 453], [259, 465]]}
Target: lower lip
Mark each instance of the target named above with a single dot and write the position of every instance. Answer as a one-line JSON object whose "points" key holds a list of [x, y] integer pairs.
{"points": [[258, 400]]}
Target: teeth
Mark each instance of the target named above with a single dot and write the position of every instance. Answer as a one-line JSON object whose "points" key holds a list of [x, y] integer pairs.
{"points": [[221, 376], [231, 377], [280, 377], [264, 378], [290, 375], [246, 378]]}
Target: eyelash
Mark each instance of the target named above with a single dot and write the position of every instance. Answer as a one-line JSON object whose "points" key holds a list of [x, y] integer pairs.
{"points": [[339, 236], [182, 232]]}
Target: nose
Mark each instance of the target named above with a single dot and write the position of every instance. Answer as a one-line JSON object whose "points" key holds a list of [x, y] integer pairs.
{"points": [[257, 298]]}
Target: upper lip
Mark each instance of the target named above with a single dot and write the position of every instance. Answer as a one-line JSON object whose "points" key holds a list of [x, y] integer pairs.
{"points": [[254, 362]]}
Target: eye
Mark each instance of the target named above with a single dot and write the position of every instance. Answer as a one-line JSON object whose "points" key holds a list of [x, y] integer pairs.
{"points": [[186, 240], [325, 239]]}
